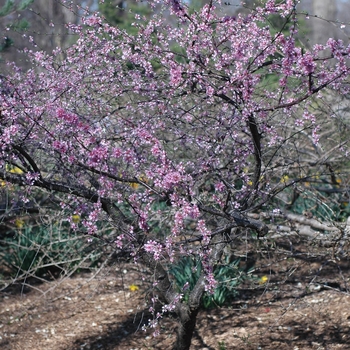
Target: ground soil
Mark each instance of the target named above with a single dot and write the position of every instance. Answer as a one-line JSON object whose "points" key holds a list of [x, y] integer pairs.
{"points": [[305, 305]]}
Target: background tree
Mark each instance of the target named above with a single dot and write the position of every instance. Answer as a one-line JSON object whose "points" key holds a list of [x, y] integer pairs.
{"points": [[43, 21], [322, 26], [181, 148], [122, 13]]}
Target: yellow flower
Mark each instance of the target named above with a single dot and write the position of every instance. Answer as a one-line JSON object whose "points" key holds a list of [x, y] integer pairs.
{"points": [[19, 223], [250, 183], [338, 181], [284, 178], [2, 183], [134, 288], [13, 169], [134, 185], [263, 280], [76, 218]]}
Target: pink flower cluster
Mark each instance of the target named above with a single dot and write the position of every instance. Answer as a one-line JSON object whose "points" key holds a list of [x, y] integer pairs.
{"points": [[204, 231], [154, 248], [97, 155]]}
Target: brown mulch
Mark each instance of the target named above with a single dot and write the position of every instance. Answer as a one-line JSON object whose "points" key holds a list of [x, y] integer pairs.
{"points": [[306, 307]]}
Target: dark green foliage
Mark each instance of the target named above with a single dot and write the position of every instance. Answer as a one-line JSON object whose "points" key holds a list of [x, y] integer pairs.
{"points": [[322, 206], [38, 250], [18, 25], [24, 4], [10, 6], [6, 43], [122, 13], [227, 274], [323, 197], [7, 8]]}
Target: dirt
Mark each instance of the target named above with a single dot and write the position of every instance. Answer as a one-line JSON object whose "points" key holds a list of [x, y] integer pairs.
{"points": [[306, 305]]}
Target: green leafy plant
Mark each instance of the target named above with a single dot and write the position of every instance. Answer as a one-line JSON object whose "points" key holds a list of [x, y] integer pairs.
{"points": [[222, 345], [33, 250], [122, 13], [10, 6], [320, 198], [227, 274]]}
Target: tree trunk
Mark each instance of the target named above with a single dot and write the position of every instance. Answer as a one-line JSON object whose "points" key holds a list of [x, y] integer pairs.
{"points": [[185, 330], [322, 29]]}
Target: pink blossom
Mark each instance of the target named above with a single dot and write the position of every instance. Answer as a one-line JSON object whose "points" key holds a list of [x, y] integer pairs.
{"points": [[32, 177], [175, 74], [93, 21], [60, 146], [154, 248], [9, 133], [67, 117], [307, 63], [204, 231], [119, 241], [171, 179], [98, 154], [211, 283]]}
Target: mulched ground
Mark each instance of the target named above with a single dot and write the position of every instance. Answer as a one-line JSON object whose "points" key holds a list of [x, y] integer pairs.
{"points": [[305, 305]]}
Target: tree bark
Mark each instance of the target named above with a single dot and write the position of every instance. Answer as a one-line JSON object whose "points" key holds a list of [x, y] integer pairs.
{"points": [[185, 330], [322, 30]]}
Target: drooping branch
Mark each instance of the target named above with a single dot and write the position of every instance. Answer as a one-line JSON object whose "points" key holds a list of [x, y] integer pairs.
{"points": [[55, 186]]}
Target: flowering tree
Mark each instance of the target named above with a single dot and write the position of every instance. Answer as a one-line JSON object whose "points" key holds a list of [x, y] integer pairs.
{"points": [[174, 135]]}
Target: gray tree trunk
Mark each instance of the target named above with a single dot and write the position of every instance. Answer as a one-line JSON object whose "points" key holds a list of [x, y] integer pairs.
{"points": [[46, 19], [322, 29]]}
